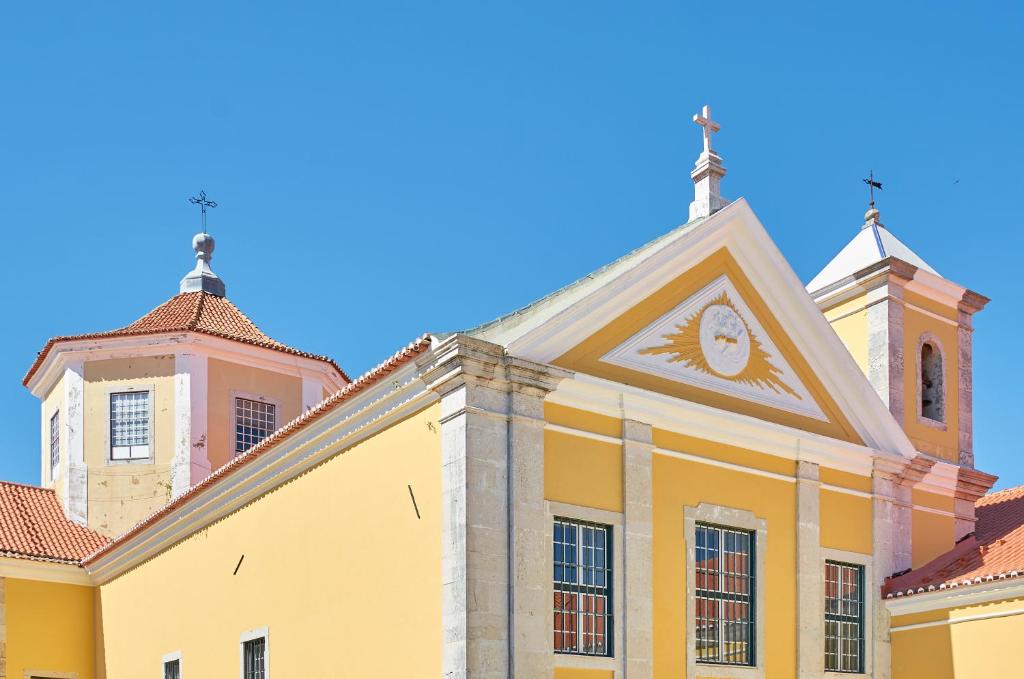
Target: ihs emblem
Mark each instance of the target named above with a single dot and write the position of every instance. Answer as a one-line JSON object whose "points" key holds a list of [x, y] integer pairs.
{"points": [[717, 341]]}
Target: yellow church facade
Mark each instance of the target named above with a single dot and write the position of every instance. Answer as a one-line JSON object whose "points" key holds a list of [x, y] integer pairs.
{"points": [[686, 464]]}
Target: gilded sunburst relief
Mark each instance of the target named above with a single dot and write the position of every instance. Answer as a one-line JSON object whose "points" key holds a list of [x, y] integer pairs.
{"points": [[716, 340]]}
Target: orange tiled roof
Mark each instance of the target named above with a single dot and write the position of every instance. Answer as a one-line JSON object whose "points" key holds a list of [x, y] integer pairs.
{"points": [[33, 526], [994, 552], [366, 380], [191, 312]]}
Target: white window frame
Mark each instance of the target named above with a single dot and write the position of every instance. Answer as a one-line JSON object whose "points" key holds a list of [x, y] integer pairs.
{"points": [[865, 561], [54, 465], [250, 635], [234, 415], [615, 662], [124, 389], [171, 657], [930, 338], [45, 674], [740, 519]]}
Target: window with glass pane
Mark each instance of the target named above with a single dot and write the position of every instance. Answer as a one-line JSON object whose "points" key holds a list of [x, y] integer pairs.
{"points": [[724, 595], [254, 421], [844, 617], [254, 659], [583, 588], [172, 669], [129, 425], [54, 442]]}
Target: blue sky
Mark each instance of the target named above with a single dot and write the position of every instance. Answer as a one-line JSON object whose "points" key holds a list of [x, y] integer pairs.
{"points": [[388, 168]]}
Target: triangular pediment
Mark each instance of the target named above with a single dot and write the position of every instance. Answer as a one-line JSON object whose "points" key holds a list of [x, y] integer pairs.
{"points": [[714, 341], [710, 313]]}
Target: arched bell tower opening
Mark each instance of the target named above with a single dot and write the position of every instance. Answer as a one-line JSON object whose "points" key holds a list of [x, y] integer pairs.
{"points": [[931, 384]]}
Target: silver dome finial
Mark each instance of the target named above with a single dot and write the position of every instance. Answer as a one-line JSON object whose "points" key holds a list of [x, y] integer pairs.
{"points": [[202, 278]]}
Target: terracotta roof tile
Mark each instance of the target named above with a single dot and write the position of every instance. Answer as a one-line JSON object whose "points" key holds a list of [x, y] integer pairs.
{"points": [[191, 312], [366, 380], [995, 551], [33, 526]]}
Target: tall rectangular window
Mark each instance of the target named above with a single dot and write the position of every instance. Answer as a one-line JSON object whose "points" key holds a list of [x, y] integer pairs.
{"points": [[583, 588], [54, 443], [172, 669], [844, 617], [254, 658], [724, 595], [129, 425], [254, 421]]}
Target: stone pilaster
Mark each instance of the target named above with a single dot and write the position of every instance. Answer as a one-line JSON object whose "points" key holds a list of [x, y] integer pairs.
{"points": [[810, 608], [968, 306], [638, 507], [3, 628], [891, 531], [76, 500], [885, 339], [494, 593]]}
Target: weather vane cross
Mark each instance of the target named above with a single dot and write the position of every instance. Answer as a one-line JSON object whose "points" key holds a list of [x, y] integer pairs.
{"points": [[872, 185], [203, 202]]}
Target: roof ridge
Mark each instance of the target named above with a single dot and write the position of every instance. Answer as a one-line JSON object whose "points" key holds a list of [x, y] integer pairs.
{"points": [[26, 485], [194, 323]]}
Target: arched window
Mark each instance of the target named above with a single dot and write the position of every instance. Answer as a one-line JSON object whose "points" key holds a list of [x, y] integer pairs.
{"points": [[932, 392]]}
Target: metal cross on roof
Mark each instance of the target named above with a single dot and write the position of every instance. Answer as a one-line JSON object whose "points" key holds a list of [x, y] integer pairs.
{"points": [[710, 126], [203, 202], [872, 185]]}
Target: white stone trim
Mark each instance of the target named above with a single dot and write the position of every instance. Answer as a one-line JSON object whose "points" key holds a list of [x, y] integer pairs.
{"points": [[170, 657], [930, 338], [869, 602], [312, 392], [191, 377], [732, 518], [603, 438], [250, 635], [956, 597], [44, 571], [810, 622], [616, 520], [954, 621], [367, 413], [76, 478]]}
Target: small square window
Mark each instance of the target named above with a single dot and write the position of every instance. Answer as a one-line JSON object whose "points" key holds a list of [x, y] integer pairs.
{"points": [[254, 658], [172, 669], [254, 421], [129, 425]]}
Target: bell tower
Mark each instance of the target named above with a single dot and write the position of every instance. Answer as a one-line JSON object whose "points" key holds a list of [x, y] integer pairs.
{"points": [[909, 329]]}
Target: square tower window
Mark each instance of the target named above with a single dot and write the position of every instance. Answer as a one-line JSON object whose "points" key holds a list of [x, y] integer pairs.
{"points": [[254, 421], [54, 443], [129, 425]]}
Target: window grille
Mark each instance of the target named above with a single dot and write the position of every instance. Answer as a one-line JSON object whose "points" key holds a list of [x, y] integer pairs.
{"points": [[844, 617], [254, 654], [583, 588], [54, 443], [129, 425], [724, 595], [254, 421], [172, 669]]}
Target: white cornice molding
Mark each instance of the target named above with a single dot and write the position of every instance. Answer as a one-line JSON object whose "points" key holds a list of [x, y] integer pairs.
{"points": [[736, 228], [612, 399], [956, 597], [395, 397], [167, 344], [43, 571]]}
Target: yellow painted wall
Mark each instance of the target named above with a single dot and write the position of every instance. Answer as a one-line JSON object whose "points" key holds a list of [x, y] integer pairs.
{"points": [[844, 479], [846, 522], [973, 649], [582, 471], [224, 378], [576, 673], [850, 321], [50, 627], [932, 535], [679, 483], [337, 565], [122, 494], [53, 402], [583, 420], [928, 439], [681, 443]]}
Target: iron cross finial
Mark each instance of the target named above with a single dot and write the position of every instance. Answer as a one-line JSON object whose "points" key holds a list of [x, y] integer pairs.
{"points": [[710, 126], [203, 202], [872, 185]]}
